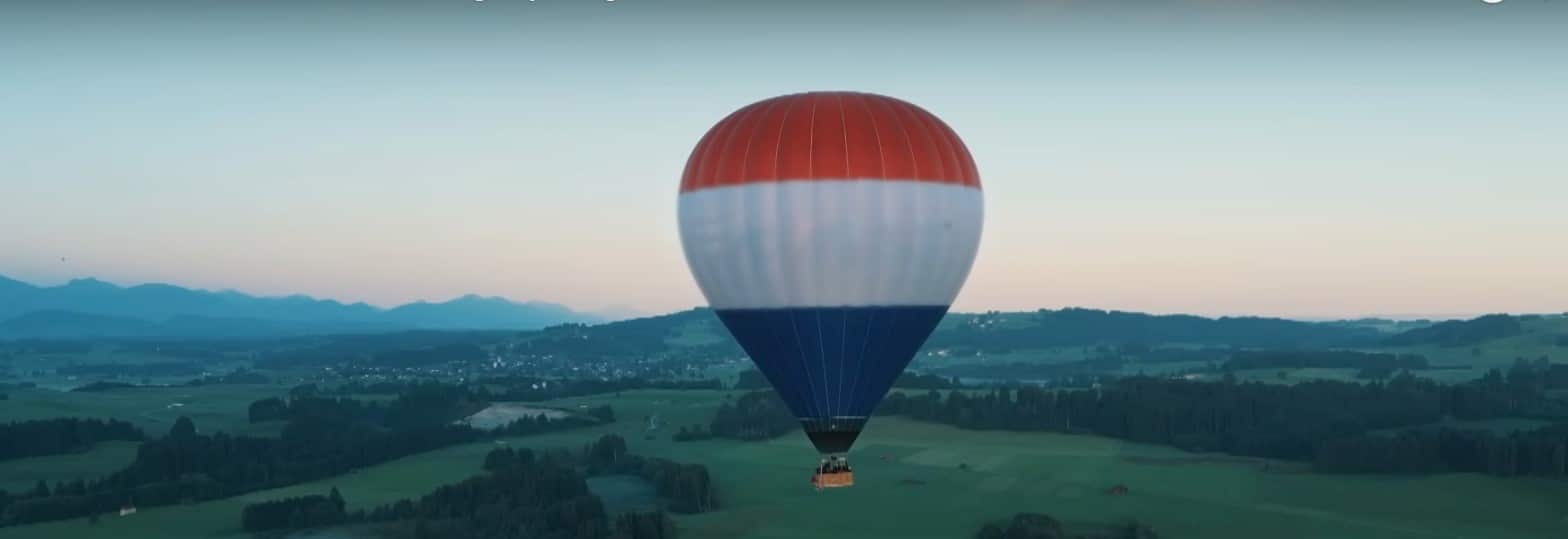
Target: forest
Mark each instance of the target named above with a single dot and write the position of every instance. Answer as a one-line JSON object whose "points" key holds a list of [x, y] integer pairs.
{"points": [[61, 435], [520, 494], [1039, 526], [322, 437], [1329, 423]]}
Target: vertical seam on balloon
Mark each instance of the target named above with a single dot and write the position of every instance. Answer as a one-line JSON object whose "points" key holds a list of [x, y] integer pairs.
{"points": [[877, 134], [861, 370], [803, 394], [753, 266], [946, 147], [745, 160], [895, 288], [805, 369], [909, 142], [822, 359], [893, 376], [843, 337], [729, 139], [778, 199], [929, 137], [711, 155], [779, 145], [811, 143], [843, 126], [732, 276]]}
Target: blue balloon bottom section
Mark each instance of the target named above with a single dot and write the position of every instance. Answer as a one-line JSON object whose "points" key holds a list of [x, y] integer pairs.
{"points": [[832, 365]]}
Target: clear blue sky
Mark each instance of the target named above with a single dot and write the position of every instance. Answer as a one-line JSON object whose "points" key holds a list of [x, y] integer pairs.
{"points": [[1310, 158]]}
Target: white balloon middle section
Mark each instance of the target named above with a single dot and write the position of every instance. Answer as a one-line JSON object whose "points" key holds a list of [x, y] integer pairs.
{"points": [[831, 243]]}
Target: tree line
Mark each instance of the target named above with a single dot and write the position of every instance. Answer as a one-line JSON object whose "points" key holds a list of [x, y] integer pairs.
{"points": [[300, 512], [44, 437], [1541, 452], [687, 487], [758, 415], [1327, 422], [1330, 359], [520, 494], [1038, 526], [323, 438]]}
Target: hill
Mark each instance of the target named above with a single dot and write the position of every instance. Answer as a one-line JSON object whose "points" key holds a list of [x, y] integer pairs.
{"points": [[1461, 332], [86, 308], [1001, 332]]}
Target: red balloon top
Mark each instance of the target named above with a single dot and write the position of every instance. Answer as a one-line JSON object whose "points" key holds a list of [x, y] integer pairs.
{"points": [[829, 136]]}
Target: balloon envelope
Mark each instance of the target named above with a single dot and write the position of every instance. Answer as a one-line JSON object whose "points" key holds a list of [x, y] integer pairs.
{"points": [[830, 232]]}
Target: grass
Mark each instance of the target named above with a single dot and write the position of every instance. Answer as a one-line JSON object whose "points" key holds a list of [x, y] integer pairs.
{"points": [[212, 408], [919, 490], [21, 474], [40, 368]]}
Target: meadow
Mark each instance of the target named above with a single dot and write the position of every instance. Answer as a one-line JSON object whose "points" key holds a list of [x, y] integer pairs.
{"points": [[104, 458], [926, 480], [153, 409]]}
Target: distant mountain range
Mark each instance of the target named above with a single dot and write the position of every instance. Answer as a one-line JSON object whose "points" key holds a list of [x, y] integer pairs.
{"points": [[88, 308]]}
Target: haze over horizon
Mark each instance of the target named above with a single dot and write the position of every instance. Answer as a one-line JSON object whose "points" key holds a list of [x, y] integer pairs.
{"points": [[1216, 158], [621, 312]]}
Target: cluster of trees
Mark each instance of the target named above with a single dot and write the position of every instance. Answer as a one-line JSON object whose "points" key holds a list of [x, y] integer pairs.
{"points": [[687, 487], [1276, 421], [524, 495], [63, 435], [418, 404], [295, 513], [1332, 359], [694, 433], [1255, 419], [1542, 452], [324, 437], [539, 424], [185, 466], [759, 415], [104, 386], [1525, 391], [1038, 526]]}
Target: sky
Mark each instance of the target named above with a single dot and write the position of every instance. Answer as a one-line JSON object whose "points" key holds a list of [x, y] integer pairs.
{"points": [[1288, 158]]}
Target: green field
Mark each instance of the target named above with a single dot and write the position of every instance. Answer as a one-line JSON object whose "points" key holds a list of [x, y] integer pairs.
{"points": [[104, 458], [910, 485], [154, 409], [39, 368]]}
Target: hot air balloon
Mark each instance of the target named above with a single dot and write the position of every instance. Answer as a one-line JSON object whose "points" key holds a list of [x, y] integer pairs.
{"points": [[830, 232]]}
